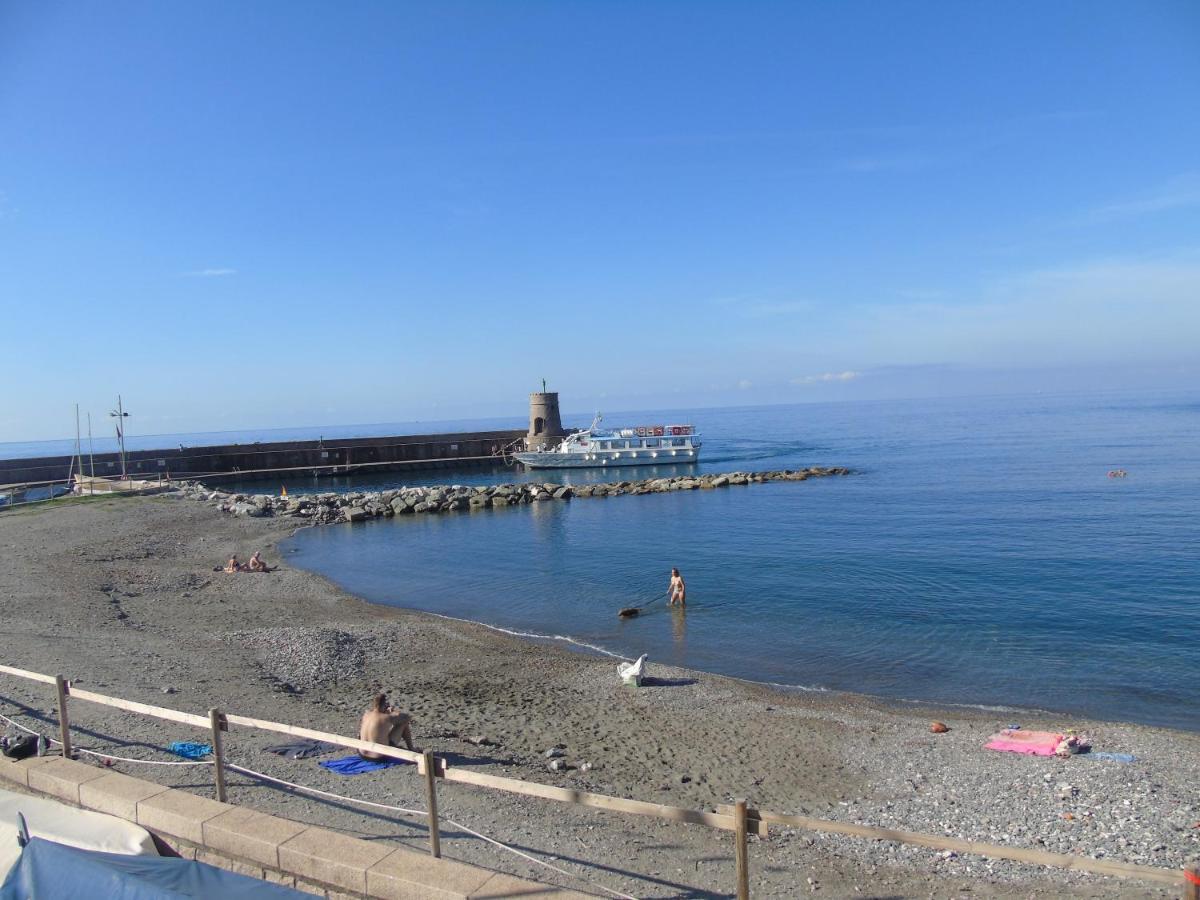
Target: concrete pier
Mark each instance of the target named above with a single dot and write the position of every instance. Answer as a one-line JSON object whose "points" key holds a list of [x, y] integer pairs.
{"points": [[271, 461]]}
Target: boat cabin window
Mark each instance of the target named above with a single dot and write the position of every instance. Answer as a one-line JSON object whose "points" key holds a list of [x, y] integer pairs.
{"points": [[651, 442]]}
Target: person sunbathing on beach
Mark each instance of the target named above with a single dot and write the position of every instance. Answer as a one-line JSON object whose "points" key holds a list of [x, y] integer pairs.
{"points": [[233, 566], [257, 564], [383, 724], [677, 589]]}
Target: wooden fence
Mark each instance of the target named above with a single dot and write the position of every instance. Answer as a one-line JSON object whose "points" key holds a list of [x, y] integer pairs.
{"points": [[739, 818]]}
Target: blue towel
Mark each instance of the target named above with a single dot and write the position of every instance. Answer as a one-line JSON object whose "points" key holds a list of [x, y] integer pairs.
{"points": [[190, 749], [1104, 754], [356, 765]]}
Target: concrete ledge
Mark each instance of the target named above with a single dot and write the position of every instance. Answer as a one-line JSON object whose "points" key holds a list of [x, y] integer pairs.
{"points": [[409, 875], [17, 770], [179, 814], [61, 777], [332, 858], [250, 834], [506, 886], [278, 850], [117, 794]]}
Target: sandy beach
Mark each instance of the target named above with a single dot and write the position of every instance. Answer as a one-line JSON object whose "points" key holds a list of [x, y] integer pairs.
{"points": [[120, 596]]}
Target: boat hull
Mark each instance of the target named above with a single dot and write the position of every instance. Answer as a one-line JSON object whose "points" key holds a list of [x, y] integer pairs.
{"points": [[606, 459]]}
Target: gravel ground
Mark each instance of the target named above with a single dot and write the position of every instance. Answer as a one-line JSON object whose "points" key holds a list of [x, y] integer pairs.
{"points": [[119, 594]]}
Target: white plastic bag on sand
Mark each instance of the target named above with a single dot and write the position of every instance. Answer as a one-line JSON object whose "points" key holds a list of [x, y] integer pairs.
{"points": [[633, 673]]}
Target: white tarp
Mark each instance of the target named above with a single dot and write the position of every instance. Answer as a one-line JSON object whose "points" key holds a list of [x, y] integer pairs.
{"points": [[67, 825]]}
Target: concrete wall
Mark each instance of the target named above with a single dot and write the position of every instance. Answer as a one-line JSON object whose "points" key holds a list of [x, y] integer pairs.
{"points": [[311, 859], [306, 457]]}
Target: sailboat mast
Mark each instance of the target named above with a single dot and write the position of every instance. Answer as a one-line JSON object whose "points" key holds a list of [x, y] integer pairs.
{"points": [[91, 448]]}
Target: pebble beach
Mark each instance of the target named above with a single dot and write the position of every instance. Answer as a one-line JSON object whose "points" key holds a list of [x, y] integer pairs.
{"points": [[120, 596]]}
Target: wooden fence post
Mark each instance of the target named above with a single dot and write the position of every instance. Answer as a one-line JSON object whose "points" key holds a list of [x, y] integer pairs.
{"points": [[217, 722], [64, 723], [1191, 882], [741, 851], [428, 764]]}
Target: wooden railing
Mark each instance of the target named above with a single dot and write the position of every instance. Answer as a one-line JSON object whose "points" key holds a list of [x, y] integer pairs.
{"points": [[739, 818]]}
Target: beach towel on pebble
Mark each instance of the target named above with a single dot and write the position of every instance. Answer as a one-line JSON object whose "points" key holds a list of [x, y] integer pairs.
{"points": [[356, 765], [190, 749], [302, 749], [1035, 743]]}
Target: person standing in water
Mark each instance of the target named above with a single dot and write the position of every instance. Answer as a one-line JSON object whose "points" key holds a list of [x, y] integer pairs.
{"points": [[677, 590]]}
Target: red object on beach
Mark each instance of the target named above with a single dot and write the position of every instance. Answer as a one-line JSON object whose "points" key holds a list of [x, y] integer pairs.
{"points": [[939, 728]]}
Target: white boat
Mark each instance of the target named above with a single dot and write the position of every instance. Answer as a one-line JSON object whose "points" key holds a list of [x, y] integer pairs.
{"points": [[594, 447]]}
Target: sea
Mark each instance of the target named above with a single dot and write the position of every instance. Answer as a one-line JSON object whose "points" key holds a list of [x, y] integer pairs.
{"points": [[979, 554]]}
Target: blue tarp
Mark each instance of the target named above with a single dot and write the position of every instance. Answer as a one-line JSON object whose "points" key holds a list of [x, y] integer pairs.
{"points": [[50, 871]]}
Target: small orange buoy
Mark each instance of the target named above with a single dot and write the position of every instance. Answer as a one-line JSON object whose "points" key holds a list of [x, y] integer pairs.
{"points": [[283, 490], [939, 728]]}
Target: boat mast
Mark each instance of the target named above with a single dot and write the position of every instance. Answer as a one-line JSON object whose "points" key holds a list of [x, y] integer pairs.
{"points": [[120, 415], [77, 458], [91, 448]]}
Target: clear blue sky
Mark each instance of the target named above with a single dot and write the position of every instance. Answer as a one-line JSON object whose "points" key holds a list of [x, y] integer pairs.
{"points": [[271, 213]]}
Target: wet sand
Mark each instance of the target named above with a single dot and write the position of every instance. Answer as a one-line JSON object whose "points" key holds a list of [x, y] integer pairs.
{"points": [[120, 595]]}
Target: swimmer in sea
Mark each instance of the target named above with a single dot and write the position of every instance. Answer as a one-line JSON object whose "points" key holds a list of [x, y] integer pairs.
{"points": [[677, 589]]}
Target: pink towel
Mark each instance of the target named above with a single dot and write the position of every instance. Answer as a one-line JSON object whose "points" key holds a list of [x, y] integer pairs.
{"points": [[1038, 743]]}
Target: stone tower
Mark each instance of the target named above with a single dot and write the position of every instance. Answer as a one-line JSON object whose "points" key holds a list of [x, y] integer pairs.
{"points": [[545, 424]]}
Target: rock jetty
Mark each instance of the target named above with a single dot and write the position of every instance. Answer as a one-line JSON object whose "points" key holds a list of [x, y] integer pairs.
{"points": [[359, 506]]}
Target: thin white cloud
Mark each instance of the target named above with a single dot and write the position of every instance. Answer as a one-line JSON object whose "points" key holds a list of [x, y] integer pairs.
{"points": [[750, 306], [1180, 192], [210, 273], [922, 294], [1099, 311], [827, 377], [745, 384], [865, 165]]}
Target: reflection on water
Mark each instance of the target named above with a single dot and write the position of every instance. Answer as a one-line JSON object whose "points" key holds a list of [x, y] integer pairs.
{"points": [[679, 628]]}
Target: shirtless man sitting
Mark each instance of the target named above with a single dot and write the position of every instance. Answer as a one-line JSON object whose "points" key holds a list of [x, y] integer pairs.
{"points": [[257, 564], [383, 724]]}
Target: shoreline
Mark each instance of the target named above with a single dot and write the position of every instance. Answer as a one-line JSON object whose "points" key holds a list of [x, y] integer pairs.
{"points": [[572, 644], [353, 507], [128, 602]]}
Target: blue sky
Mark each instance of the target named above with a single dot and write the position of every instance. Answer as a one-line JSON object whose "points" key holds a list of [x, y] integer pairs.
{"points": [[291, 212]]}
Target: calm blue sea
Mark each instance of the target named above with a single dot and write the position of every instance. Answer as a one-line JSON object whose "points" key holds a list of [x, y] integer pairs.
{"points": [[979, 555]]}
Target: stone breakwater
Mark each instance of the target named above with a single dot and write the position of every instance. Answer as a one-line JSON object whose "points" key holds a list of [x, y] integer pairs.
{"points": [[329, 508]]}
